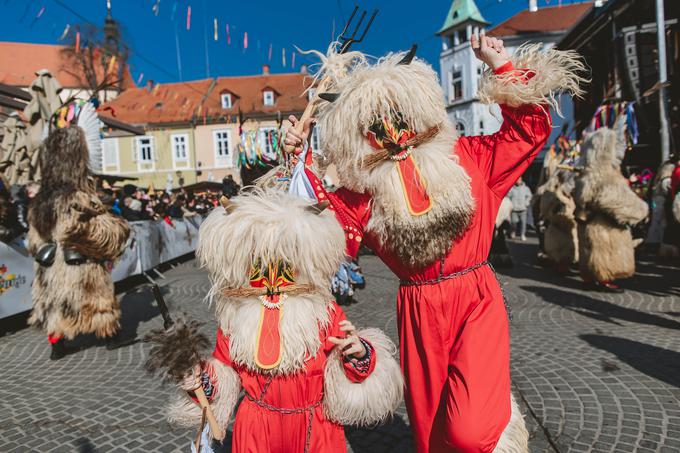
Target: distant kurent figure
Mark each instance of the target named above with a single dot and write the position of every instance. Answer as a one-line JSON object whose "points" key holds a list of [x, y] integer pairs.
{"points": [[606, 209], [282, 339], [74, 240], [557, 209], [425, 200]]}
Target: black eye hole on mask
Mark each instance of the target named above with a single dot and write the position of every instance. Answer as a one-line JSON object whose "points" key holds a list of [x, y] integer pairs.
{"points": [[378, 126]]}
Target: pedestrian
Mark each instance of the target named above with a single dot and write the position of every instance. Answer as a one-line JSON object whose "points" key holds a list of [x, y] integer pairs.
{"points": [[304, 368], [425, 200], [520, 196], [74, 240]]}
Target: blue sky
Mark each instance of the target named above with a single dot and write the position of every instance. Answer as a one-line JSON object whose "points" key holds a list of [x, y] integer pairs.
{"points": [[281, 24]]}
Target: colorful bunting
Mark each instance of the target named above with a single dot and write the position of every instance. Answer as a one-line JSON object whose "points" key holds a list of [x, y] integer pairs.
{"points": [[156, 7], [270, 52], [283, 57], [215, 28], [245, 40], [188, 17], [66, 30], [140, 78], [292, 62], [228, 36]]}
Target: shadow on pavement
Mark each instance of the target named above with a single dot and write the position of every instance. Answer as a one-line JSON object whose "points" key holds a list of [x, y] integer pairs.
{"points": [[599, 309], [659, 363], [392, 437]]}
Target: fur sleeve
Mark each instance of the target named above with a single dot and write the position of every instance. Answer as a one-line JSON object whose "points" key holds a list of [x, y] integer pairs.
{"points": [[620, 203], [183, 411], [93, 232], [540, 77], [372, 400]]}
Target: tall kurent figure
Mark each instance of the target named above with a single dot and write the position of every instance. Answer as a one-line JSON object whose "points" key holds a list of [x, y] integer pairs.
{"points": [[282, 338], [425, 200], [73, 240], [606, 209], [557, 209]]}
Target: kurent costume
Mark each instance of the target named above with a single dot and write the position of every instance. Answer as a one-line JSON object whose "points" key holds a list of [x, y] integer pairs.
{"points": [[606, 208], [73, 238], [425, 200], [557, 210], [271, 257]]}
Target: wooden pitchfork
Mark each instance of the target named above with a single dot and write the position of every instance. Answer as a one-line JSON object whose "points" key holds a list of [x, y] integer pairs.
{"points": [[346, 41]]}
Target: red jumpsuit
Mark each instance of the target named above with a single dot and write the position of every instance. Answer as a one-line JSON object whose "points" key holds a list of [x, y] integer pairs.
{"points": [[454, 338], [289, 413]]}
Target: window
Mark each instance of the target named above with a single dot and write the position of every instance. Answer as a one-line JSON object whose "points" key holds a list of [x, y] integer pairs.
{"points": [[145, 149], [460, 128], [456, 85], [315, 141], [180, 155], [226, 100], [267, 139], [268, 97], [222, 143], [110, 155]]}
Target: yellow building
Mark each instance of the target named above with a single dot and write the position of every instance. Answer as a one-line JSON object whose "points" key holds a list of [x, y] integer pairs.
{"points": [[201, 130]]}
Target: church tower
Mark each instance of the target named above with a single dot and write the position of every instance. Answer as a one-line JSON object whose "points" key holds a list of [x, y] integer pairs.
{"points": [[460, 70]]}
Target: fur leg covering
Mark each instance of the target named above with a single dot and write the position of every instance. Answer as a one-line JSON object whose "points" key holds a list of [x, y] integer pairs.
{"points": [[374, 399], [185, 412], [515, 437], [554, 72]]}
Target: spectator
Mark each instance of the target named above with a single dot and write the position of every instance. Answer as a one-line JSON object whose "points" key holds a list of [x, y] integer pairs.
{"points": [[520, 196]]}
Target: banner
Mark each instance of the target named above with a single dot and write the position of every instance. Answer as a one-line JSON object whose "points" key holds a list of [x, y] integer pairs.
{"points": [[16, 276]]}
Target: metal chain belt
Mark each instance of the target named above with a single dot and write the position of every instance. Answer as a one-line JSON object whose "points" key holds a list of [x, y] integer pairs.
{"points": [[442, 278], [281, 410]]}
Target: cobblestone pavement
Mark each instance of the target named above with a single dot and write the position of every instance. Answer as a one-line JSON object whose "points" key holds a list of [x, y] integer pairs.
{"points": [[595, 372]]}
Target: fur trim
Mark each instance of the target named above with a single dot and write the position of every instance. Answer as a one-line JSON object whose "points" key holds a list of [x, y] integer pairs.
{"points": [[303, 317], [504, 212], [606, 251], [93, 232], [515, 437], [267, 225], [421, 240], [185, 412], [557, 208], [372, 400], [555, 72]]}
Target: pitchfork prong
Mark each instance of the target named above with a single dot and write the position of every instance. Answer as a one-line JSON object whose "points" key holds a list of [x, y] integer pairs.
{"points": [[349, 21], [368, 25]]}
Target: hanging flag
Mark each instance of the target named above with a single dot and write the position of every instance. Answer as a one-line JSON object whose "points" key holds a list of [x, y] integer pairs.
{"points": [[270, 51], [66, 29], [174, 10], [37, 16], [283, 57], [228, 36], [292, 62], [77, 42], [215, 27], [245, 40], [112, 62], [188, 17], [140, 78]]}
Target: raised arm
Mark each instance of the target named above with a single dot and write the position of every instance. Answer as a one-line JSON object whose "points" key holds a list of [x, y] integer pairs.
{"points": [[526, 87]]}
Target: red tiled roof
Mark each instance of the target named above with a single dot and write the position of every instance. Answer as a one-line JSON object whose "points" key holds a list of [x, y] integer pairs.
{"points": [[182, 102], [166, 103], [555, 18], [19, 61]]}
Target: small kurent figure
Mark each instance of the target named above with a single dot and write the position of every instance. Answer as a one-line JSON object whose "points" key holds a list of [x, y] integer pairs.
{"points": [[606, 209], [557, 209], [73, 238], [304, 368]]}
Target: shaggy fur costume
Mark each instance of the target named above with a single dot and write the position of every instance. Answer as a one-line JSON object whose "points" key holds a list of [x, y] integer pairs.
{"points": [[465, 180], [606, 209], [557, 209], [73, 299], [265, 226]]}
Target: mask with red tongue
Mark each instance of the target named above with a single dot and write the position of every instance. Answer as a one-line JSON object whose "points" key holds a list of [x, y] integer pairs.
{"points": [[274, 277], [395, 138]]}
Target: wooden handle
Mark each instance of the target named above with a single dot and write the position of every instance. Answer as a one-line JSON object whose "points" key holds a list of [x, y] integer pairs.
{"points": [[215, 429], [310, 111]]}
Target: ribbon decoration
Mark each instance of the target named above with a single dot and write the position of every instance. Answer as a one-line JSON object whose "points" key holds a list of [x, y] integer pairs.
{"points": [[65, 32], [189, 17], [140, 78], [228, 36], [283, 57], [245, 40], [215, 28]]}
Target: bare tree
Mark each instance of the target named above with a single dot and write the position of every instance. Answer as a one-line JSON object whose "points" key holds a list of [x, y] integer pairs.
{"points": [[97, 58]]}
